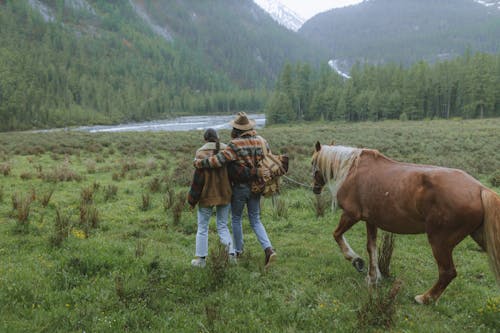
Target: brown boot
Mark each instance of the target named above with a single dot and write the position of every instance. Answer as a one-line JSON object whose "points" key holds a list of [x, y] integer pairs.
{"points": [[270, 256]]}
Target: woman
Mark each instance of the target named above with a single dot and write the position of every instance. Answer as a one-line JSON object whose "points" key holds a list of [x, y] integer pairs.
{"points": [[210, 188]]}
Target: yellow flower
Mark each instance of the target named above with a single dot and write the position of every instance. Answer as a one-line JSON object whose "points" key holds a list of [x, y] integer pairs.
{"points": [[80, 234]]}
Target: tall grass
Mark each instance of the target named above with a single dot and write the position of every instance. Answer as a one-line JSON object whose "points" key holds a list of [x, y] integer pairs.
{"points": [[94, 260]]}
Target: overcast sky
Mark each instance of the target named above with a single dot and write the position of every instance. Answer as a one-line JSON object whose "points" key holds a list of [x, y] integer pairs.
{"points": [[309, 8]]}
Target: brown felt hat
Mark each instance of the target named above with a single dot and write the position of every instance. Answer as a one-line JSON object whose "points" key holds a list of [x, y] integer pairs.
{"points": [[242, 122]]}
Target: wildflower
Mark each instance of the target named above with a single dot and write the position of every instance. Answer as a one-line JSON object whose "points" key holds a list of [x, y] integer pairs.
{"points": [[80, 234]]}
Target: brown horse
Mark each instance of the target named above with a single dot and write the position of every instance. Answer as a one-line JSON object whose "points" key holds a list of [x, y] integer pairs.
{"points": [[403, 198]]}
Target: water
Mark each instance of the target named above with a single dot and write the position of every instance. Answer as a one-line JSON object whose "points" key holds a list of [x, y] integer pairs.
{"points": [[176, 124]]}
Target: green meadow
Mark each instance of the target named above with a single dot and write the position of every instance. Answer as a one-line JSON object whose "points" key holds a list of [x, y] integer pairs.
{"points": [[95, 236]]}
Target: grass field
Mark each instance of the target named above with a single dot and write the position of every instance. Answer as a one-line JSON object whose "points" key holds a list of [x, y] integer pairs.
{"points": [[95, 236]]}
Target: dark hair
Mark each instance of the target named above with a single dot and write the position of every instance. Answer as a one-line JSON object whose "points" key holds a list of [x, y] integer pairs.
{"points": [[211, 135], [236, 132]]}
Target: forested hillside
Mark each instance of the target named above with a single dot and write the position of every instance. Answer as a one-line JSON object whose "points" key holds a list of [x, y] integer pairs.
{"points": [[406, 31], [75, 62], [80, 62], [465, 87]]}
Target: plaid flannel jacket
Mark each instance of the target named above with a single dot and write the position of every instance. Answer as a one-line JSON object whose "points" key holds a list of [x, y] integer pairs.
{"points": [[241, 155]]}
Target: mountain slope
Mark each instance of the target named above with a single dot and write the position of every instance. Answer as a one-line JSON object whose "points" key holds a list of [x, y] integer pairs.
{"points": [[406, 31], [281, 14], [77, 62], [236, 37]]}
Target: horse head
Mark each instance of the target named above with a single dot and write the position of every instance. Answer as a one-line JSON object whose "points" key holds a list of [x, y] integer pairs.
{"points": [[318, 179]]}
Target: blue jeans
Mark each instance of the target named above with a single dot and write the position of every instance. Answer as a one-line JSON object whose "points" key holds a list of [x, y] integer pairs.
{"points": [[204, 214], [242, 195]]}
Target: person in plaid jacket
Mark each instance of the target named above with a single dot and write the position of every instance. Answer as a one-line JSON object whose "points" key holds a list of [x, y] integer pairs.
{"points": [[241, 156]]}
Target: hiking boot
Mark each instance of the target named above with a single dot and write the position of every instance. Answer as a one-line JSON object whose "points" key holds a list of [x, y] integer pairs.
{"points": [[232, 259], [270, 256], [199, 262]]}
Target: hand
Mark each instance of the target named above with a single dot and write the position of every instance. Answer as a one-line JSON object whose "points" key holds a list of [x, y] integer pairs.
{"points": [[264, 173]]}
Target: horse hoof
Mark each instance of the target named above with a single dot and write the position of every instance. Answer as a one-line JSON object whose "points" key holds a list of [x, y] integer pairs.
{"points": [[420, 299], [359, 264]]}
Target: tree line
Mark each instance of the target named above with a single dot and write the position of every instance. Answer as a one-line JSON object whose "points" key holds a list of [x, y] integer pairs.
{"points": [[113, 69], [465, 87], [109, 68]]}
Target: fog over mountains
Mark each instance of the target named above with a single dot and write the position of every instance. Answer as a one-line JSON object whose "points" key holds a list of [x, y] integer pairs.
{"points": [[293, 21]]}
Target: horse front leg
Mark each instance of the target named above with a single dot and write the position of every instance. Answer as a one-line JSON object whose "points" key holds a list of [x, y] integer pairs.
{"points": [[374, 275], [345, 224]]}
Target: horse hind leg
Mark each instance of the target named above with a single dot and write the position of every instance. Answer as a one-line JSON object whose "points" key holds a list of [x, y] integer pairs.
{"points": [[447, 272], [374, 274], [345, 224], [478, 237]]}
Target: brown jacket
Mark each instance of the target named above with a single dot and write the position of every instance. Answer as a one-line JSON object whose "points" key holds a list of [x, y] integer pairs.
{"points": [[216, 188]]}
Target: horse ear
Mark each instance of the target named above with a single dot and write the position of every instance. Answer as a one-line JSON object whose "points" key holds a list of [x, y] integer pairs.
{"points": [[333, 143], [318, 146]]}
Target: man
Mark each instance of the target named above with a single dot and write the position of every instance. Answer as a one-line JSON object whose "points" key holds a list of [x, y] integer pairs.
{"points": [[242, 155]]}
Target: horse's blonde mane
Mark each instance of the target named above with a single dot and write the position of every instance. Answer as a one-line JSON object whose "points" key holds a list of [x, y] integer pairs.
{"points": [[335, 162]]}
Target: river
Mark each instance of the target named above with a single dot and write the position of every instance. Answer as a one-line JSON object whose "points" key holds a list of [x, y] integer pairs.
{"points": [[187, 123]]}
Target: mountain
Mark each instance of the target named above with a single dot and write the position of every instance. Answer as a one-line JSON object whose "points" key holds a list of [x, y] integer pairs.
{"points": [[406, 31], [281, 14], [72, 62]]}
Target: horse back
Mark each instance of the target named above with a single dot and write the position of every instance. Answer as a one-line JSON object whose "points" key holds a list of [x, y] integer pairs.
{"points": [[410, 198]]}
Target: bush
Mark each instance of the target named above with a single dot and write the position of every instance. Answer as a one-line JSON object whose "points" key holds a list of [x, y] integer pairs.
{"points": [[495, 179]]}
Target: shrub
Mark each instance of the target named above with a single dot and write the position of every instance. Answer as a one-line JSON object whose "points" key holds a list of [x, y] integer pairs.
{"points": [[217, 265], [385, 254], [26, 175], [110, 192], [45, 197], [168, 199], [139, 249], [62, 173], [380, 309], [146, 201], [91, 166], [22, 207], [280, 208], [178, 208], [87, 195], [495, 179], [89, 217], [151, 164], [61, 228], [5, 169], [155, 185]]}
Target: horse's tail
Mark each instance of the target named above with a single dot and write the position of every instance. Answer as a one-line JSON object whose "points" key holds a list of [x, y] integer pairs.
{"points": [[491, 205]]}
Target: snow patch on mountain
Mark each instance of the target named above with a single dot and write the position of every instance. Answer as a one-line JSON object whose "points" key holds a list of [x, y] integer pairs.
{"points": [[281, 14], [489, 3], [334, 64], [159, 30]]}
